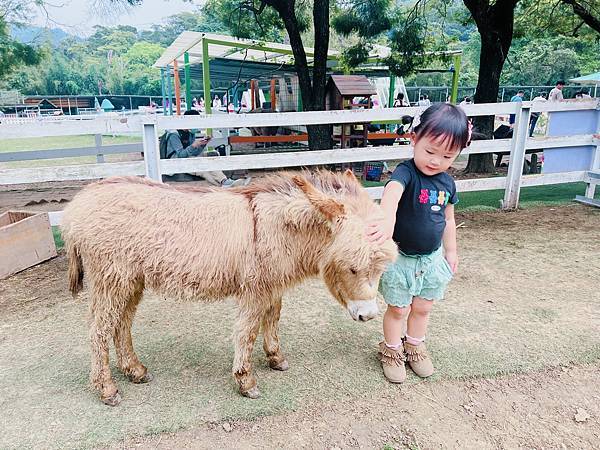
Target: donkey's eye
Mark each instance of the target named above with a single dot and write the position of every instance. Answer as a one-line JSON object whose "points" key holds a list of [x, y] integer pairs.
{"points": [[353, 271]]}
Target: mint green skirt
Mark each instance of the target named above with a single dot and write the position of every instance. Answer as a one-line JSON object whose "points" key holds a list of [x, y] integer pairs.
{"points": [[425, 276]]}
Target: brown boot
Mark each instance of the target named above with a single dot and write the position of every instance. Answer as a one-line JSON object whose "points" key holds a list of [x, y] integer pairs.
{"points": [[418, 359], [392, 362]]}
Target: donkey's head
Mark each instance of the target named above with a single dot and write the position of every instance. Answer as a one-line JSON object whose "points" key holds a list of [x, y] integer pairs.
{"points": [[350, 264]]}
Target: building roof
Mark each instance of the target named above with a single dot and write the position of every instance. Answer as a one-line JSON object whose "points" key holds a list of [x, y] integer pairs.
{"points": [[355, 85], [223, 46]]}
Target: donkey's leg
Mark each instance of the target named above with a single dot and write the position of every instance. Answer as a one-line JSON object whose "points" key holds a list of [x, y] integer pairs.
{"points": [[104, 314], [246, 329], [127, 360], [270, 325]]}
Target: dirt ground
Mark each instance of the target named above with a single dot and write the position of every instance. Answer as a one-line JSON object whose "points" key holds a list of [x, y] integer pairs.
{"points": [[516, 345]]}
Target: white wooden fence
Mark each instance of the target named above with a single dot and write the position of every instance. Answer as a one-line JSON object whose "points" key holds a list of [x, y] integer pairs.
{"points": [[153, 167]]}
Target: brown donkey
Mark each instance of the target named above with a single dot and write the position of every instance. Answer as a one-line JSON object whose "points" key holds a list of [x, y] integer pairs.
{"points": [[132, 233]]}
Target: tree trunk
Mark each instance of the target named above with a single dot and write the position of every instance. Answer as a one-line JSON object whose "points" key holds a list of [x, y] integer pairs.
{"points": [[495, 25], [312, 91]]}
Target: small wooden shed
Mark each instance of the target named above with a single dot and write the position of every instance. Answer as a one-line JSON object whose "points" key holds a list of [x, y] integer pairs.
{"points": [[340, 91]]}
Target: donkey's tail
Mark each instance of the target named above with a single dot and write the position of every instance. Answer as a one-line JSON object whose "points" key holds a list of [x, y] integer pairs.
{"points": [[75, 270]]}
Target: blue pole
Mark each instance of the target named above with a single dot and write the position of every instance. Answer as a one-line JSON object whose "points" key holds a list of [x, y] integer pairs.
{"points": [[162, 90], [169, 90]]}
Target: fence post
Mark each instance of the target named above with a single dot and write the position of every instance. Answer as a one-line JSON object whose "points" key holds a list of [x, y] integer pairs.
{"points": [[590, 190], [99, 154], [151, 151], [517, 157]]}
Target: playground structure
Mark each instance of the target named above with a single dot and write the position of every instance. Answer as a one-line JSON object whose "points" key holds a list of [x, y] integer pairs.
{"points": [[226, 63]]}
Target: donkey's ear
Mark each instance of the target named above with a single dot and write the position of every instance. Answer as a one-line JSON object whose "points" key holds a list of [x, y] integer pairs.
{"points": [[329, 207]]}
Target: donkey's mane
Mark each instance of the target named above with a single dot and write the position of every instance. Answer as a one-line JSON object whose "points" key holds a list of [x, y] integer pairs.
{"points": [[330, 183]]}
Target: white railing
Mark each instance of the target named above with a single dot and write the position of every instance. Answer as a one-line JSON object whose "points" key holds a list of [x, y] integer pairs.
{"points": [[153, 167]]}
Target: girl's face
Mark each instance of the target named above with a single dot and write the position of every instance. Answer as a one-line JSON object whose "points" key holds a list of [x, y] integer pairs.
{"points": [[433, 155]]}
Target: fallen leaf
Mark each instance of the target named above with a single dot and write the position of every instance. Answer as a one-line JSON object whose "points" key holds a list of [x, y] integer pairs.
{"points": [[581, 415]]}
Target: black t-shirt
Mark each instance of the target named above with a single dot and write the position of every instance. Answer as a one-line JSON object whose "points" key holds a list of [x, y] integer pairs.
{"points": [[420, 218]]}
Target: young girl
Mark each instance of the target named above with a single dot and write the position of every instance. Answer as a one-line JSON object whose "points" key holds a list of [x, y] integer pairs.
{"points": [[418, 204]]}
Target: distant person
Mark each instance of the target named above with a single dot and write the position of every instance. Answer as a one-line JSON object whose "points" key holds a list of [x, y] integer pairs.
{"points": [[466, 101], [423, 101], [517, 98], [556, 94], [216, 102], [400, 101], [583, 95], [540, 98], [182, 144]]}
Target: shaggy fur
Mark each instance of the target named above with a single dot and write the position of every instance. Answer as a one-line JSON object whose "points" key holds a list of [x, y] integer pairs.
{"points": [[129, 234]]}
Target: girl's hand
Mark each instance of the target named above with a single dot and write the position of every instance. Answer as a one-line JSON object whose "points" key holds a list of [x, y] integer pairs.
{"points": [[380, 231], [452, 258]]}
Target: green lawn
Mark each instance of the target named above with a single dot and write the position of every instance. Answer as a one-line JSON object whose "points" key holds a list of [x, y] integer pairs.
{"points": [[57, 238], [52, 142], [56, 142], [530, 196]]}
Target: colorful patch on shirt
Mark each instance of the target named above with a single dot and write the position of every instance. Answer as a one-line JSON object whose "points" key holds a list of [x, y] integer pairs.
{"points": [[433, 197]]}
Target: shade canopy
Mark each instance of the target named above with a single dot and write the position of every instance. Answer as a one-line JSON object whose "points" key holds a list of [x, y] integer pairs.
{"points": [[593, 78]]}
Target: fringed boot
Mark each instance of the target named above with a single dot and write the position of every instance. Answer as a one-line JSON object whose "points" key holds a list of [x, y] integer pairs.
{"points": [[418, 359], [392, 361]]}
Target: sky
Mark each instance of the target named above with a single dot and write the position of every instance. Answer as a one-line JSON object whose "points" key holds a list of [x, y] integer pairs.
{"points": [[79, 16]]}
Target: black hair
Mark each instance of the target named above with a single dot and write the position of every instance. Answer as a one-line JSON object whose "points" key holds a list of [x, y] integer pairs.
{"points": [[520, 91], [185, 135], [447, 121], [400, 96], [561, 82]]}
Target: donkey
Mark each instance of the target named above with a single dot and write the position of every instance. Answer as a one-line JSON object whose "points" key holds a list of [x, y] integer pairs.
{"points": [[129, 233]]}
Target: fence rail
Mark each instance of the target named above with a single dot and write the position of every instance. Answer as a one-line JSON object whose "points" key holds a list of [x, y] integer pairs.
{"points": [[153, 167]]}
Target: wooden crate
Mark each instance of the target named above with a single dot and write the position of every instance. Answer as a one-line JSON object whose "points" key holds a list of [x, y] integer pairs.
{"points": [[25, 240]]}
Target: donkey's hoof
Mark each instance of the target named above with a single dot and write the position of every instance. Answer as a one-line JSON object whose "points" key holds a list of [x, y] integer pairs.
{"points": [[283, 365], [113, 400], [252, 393], [147, 378]]}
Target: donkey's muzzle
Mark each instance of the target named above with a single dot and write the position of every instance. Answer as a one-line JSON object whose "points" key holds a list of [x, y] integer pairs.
{"points": [[363, 310]]}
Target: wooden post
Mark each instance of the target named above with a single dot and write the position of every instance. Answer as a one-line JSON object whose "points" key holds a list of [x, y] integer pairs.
{"points": [[99, 154], [517, 157], [177, 87], [151, 152], [252, 99]]}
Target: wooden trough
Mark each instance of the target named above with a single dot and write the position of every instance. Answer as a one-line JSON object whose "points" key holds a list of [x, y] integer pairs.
{"points": [[25, 240]]}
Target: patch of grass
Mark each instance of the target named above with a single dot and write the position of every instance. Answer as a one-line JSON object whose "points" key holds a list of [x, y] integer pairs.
{"points": [[57, 142], [58, 241], [52, 142], [556, 194]]}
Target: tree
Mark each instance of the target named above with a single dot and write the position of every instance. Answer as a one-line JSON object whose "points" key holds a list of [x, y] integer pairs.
{"points": [[587, 10], [495, 25], [12, 53]]}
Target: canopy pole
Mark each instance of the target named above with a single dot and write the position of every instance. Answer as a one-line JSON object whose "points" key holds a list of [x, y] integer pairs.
{"points": [[206, 78], [391, 98], [188, 81], [273, 95], [169, 90], [457, 60], [177, 87], [162, 90]]}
